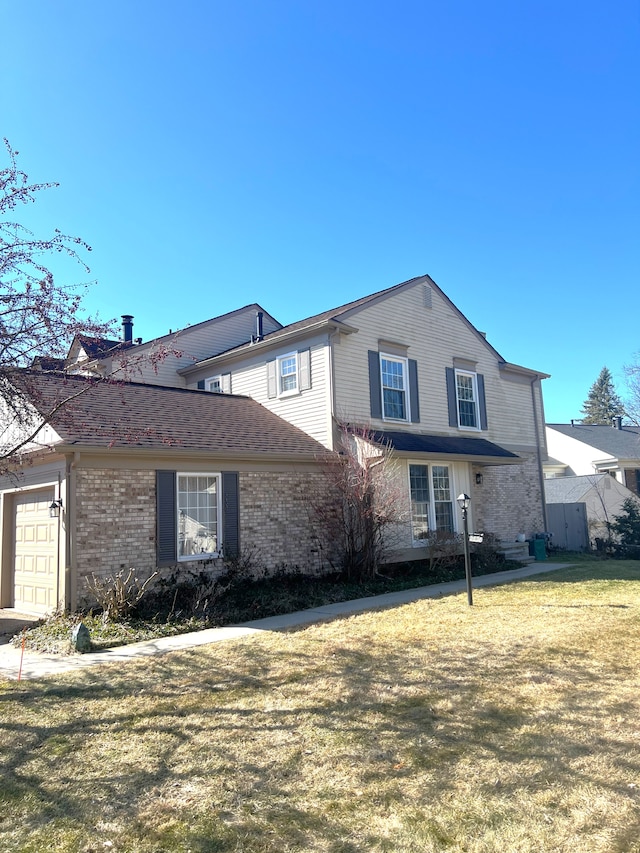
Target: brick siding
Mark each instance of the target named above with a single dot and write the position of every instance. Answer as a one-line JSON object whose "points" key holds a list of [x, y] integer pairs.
{"points": [[116, 523], [509, 500]]}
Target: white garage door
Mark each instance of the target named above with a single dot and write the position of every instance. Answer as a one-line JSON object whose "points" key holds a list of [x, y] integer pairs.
{"points": [[35, 564]]}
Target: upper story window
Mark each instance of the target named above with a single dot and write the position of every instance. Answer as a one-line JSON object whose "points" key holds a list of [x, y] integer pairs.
{"points": [[393, 372], [220, 384], [467, 397], [289, 374], [393, 387]]}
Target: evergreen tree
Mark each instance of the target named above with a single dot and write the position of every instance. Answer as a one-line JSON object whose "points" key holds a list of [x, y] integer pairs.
{"points": [[603, 404]]}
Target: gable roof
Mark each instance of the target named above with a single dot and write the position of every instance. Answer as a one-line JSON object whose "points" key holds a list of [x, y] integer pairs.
{"points": [[130, 415], [623, 443], [97, 347], [339, 316]]}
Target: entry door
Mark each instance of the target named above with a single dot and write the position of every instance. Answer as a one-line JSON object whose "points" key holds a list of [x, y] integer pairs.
{"points": [[36, 552]]}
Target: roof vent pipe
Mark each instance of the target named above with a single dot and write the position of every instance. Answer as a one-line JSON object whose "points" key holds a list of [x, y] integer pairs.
{"points": [[259, 328], [127, 329], [617, 422]]}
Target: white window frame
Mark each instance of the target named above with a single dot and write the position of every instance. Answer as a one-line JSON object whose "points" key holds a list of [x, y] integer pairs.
{"points": [[476, 403], [431, 508], [223, 382], [289, 392], [397, 359], [181, 521]]}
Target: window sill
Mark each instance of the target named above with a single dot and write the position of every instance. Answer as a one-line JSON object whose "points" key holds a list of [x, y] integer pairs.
{"points": [[192, 558]]}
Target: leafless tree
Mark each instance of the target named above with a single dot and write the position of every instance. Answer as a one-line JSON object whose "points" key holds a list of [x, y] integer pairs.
{"points": [[38, 316], [358, 513], [632, 397]]}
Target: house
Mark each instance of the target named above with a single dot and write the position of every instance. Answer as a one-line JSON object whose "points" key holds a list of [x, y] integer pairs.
{"points": [[217, 436], [579, 508], [585, 449], [144, 476]]}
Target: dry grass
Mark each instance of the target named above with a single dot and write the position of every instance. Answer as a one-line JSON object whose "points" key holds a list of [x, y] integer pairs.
{"points": [[510, 726]]}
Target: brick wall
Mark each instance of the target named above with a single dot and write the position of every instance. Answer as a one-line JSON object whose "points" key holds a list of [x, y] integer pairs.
{"points": [[276, 519], [509, 501], [116, 523]]}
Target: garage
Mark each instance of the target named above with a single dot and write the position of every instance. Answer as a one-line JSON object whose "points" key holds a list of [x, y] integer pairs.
{"points": [[35, 553]]}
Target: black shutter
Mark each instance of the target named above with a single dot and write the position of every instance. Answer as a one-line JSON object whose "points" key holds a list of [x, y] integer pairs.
{"points": [[375, 390], [414, 402], [166, 528], [452, 399], [230, 513], [482, 402]]}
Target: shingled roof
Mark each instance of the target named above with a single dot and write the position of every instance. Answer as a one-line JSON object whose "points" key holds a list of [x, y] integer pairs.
{"points": [[622, 443], [131, 415]]}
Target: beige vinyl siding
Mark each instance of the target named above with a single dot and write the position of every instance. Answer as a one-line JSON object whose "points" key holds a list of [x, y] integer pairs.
{"points": [[310, 409], [434, 337], [157, 363]]}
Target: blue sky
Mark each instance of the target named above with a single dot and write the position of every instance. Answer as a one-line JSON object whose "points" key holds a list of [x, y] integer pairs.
{"points": [[302, 154]]}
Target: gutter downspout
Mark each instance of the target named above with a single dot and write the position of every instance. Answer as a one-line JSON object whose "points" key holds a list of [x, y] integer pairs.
{"points": [[332, 389], [60, 514], [71, 567], [539, 453]]}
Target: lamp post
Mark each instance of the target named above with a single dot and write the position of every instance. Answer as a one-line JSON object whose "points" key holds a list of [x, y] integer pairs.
{"points": [[463, 502]]}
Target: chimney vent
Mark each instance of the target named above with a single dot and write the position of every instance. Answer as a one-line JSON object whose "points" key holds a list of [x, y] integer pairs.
{"points": [[127, 329], [259, 327], [617, 422]]}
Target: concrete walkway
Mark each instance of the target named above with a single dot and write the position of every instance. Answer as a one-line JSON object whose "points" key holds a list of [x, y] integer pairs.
{"points": [[35, 665]]}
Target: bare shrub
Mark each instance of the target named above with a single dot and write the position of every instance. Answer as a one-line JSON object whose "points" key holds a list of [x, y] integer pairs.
{"points": [[362, 503], [118, 595]]}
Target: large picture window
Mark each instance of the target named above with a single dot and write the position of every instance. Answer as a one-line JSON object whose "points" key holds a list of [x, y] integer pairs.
{"points": [[393, 373], [198, 514], [431, 500]]}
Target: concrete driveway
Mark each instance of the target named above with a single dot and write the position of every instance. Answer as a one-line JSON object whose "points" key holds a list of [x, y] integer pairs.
{"points": [[12, 622]]}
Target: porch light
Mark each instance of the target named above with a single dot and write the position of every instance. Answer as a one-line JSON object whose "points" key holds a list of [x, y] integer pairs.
{"points": [[463, 502], [54, 508], [479, 479]]}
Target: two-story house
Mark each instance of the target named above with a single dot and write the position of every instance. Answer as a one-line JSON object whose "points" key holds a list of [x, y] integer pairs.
{"points": [[216, 443]]}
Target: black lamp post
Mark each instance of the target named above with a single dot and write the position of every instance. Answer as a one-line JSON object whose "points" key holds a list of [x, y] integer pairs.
{"points": [[463, 502]]}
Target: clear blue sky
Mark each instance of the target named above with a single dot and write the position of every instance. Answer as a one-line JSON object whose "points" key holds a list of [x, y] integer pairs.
{"points": [[302, 154]]}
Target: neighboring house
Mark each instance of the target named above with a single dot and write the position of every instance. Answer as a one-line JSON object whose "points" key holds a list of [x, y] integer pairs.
{"points": [[263, 401], [596, 449], [580, 508]]}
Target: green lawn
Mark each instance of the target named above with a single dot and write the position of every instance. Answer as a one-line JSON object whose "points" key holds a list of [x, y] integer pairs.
{"points": [[510, 726]]}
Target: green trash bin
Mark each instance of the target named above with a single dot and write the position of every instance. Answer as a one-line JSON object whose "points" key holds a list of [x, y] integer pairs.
{"points": [[538, 549]]}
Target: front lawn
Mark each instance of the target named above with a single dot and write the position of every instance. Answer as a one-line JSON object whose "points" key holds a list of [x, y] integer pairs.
{"points": [[510, 726], [191, 603]]}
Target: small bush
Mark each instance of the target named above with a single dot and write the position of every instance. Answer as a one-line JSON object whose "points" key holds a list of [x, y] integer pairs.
{"points": [[118, 595]]}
